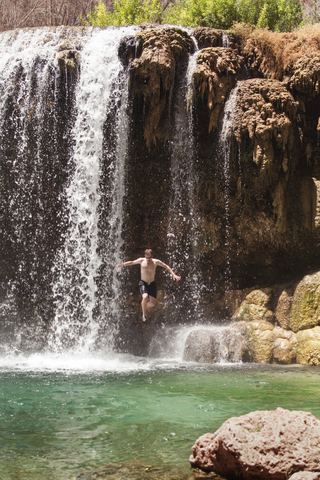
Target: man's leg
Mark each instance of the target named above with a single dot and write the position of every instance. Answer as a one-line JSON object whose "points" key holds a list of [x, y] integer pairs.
{"points": [[152, 302], [144, 303]]}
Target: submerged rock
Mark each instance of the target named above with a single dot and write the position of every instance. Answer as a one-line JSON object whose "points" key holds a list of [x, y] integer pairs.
{"points": [[265, 445], [134, 470]]}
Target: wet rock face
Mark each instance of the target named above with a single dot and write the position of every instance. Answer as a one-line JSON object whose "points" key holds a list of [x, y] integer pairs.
{"points": [[256, 306], [211, 346], [214, 77], [284, 346], [308, 349], [129, 48], [269, 445], [266, 113], [208, 37], [272, 325], [259, 210], [152, 76], [305, 303]]}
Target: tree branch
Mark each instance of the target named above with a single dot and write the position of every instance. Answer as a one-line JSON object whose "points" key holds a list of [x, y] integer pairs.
{"points": [[38, 4]]}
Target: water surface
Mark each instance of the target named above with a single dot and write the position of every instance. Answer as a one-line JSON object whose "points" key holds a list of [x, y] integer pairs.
{"points": [[61, 415]]}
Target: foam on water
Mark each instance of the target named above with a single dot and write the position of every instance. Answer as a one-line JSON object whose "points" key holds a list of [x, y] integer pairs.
{"points": [[71, 363]]}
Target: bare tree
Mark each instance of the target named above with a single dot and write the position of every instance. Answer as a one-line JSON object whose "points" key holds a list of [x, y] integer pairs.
{"points": [[37, 13], [311, 10]]}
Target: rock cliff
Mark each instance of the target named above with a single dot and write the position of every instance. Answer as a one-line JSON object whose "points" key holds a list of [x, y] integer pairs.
{"points": [[259, 211]]}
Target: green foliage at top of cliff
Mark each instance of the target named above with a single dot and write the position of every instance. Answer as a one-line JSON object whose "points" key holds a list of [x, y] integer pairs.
{"points": [[276, 15], [126, 12]]}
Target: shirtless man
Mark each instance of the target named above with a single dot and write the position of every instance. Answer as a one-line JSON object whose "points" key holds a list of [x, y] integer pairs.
{"points": [[147, 284]]}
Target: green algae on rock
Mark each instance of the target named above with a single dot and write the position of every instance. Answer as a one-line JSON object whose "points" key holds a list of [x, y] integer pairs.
{"points": [[305, 311]]}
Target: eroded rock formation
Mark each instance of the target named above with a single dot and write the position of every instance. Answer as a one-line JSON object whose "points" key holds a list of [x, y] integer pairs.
{"points": [[271, 325], [152, 77]]}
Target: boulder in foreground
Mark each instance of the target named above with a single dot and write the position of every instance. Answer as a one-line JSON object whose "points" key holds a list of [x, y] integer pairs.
{"points": [[261, 445]]}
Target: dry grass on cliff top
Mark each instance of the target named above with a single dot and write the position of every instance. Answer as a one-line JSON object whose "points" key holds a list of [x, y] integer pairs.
{"points": [[282, 48]]}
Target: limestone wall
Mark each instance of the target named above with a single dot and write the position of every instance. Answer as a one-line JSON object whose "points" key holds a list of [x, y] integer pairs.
{"points": [[280, 324]]}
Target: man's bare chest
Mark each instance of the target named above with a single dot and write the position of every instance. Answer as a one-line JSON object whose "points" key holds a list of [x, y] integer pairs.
{"points": [[149, 269]]}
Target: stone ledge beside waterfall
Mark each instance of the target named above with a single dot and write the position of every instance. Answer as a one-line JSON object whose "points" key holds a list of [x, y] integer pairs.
{"points": [[271, 325]]}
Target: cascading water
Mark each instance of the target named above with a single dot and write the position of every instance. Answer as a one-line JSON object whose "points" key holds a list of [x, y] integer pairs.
{"points": [[102, 86], [62, 184], [183, 229], [35, 118], [223, 344], [225, 40], [225, 151]]}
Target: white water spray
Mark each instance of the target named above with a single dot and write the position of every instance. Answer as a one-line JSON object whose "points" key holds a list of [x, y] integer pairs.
{"points": [[220, 344], [29, 81], [78, 263]]}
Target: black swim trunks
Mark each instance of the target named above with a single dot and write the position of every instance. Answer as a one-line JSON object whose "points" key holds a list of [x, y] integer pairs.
{"points": [[149, 288]]}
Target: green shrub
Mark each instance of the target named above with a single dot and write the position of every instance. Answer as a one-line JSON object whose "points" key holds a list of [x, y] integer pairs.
{"points": [[277, 15], [280, 15], [131, 12]]}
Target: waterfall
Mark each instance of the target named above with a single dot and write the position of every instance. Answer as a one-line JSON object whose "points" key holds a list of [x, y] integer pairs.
{"points": [[63, 146], [204, 344], [183, 228], [225, 151], [34, 146], [225, 40], [102, 87]]}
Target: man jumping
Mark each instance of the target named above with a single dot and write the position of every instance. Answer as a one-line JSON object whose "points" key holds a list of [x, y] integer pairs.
{"points": [[147, 284]]}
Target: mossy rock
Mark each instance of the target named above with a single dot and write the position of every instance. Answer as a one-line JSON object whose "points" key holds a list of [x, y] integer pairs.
{"points": [[256, 306], [308, 351], [283, 351], [283, 309], [305, 312], [260, 339]]}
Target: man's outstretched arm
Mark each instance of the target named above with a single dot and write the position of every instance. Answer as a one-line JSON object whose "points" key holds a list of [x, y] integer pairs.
{"points": [[129, 263], [174, 276]]}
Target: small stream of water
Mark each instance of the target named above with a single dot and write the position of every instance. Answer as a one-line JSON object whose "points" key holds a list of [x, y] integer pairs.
{"points": [[184, 218], [225, 151]]}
